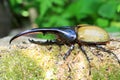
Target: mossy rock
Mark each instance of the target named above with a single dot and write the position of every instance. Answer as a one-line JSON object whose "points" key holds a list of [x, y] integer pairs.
{"points": [[27, 61]]}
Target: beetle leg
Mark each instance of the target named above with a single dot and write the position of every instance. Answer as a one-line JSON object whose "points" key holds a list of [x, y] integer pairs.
{"points": [[68, 52], [83, 50], [44, 42], [118, 40], [108, 51]]}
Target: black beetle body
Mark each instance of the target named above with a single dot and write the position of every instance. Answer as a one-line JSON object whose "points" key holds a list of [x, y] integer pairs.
{"points": [[81, 34]]}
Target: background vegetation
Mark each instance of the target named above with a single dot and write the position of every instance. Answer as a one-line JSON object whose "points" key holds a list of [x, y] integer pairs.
{"points": [[104, 13]]}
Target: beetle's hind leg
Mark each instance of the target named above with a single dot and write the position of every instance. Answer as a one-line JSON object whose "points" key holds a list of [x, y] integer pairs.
{"points": [[84, 51], [108, 51], [118, 40]]}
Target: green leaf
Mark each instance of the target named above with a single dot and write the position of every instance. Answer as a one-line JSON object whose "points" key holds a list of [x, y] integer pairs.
{"points": [[115, 23], [82, 8], [113, 29], [19, 1], [108, 10], [102, 22], [59, 2], [118, 8], [44, 6], [47, 4], [57, 9], [57, 21]]}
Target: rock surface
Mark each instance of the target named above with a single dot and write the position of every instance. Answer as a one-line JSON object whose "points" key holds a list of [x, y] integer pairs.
{"points": [[76, 67]]}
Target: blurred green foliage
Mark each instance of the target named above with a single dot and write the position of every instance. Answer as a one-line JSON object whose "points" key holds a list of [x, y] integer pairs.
{"points": [[104, 13]]}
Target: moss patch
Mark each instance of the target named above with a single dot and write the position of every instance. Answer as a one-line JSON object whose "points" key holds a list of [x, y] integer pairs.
{"points": [[106, 72], [15, 66]]}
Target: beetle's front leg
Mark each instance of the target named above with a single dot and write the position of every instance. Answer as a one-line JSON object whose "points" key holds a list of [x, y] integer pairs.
{"points": [[68, 52], [45, 42]]}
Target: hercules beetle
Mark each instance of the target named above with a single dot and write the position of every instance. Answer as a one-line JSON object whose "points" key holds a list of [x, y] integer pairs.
{"points": [[81, 34]]}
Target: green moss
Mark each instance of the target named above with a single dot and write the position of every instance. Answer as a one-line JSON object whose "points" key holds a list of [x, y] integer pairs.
{"points": [[15, 66], [106, 73], [46, 63]]}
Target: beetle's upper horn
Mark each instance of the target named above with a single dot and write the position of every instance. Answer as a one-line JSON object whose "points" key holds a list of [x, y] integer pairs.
{"points": [[35, 30]]}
